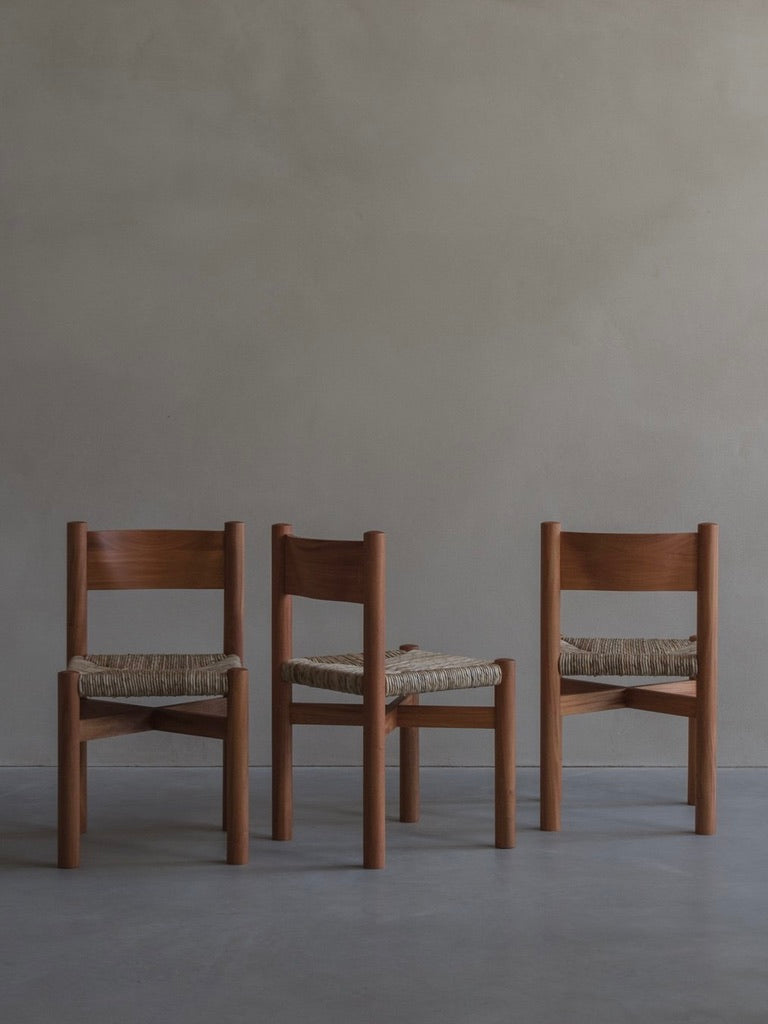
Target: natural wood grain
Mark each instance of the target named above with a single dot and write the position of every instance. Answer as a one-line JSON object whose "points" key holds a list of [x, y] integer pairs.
{"points": [[69, 771], [327, 570], [628, 561], [95, 709], [282, 733], [155, 559], [214, 706], [409, 761], [504, 755], [225, 785], [77, 594], [572, 685], [580, 696], [664, 698], [390, 714], [550, 716], [196, 723], [234, 588], [706, 683], [83, 787], [234, 613], [109, 718], [445, 716], [237, 764], [691, 787], [374, 701], [330, 713]]}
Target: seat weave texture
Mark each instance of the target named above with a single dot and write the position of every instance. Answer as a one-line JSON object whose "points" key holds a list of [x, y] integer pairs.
{"points": [[153, 675], [609, 656], [406, 672]]}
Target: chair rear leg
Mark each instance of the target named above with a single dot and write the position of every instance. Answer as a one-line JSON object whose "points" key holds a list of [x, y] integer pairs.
{"points": [[504, 744], [409, 769], [69, 771], [237, 765], [83, 788]]}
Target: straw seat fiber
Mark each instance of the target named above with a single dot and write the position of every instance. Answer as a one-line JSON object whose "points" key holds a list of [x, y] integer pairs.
{"points": [[633, 656], [154, 675], [413, 671]]}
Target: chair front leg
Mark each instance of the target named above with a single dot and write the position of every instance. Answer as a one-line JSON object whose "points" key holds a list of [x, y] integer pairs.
{"points": [[282, 763], [69, 771], [551, 769], [691, 761], [237, 765], [224, 787], [504, 744], [374, 785], [706, 767], [83, 788]]}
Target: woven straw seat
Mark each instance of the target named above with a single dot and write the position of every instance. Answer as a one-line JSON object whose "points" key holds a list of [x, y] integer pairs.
{"points": [[153, 675], [405, 671], [609, 656]]}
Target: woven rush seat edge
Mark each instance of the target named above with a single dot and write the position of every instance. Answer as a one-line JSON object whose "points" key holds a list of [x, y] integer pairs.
{"points": [[630, 656], [406, 672], [153, 675]]}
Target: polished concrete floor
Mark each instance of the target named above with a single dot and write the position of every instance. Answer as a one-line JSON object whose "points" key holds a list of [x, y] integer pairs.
{"points": [[625, 916]]}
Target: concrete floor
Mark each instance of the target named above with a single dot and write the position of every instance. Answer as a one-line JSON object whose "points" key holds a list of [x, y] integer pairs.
{"points": [[626, 916]]}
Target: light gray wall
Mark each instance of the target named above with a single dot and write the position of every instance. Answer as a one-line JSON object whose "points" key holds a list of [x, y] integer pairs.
{"points": [[444, 268]]}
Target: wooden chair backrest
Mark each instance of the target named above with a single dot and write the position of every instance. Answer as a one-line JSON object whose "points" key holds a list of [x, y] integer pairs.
{"points": [[628, 561], [330, 570], [326, 570], [631, 562], [154, 560]]}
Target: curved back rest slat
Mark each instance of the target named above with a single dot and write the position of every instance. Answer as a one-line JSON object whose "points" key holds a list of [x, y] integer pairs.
{"points": [[628, 561], [327, 570], [155, 559]]}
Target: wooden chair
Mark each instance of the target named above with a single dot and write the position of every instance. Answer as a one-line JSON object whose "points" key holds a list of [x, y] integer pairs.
{"points": [[152, 559], [630, 562], [354, 571]]}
